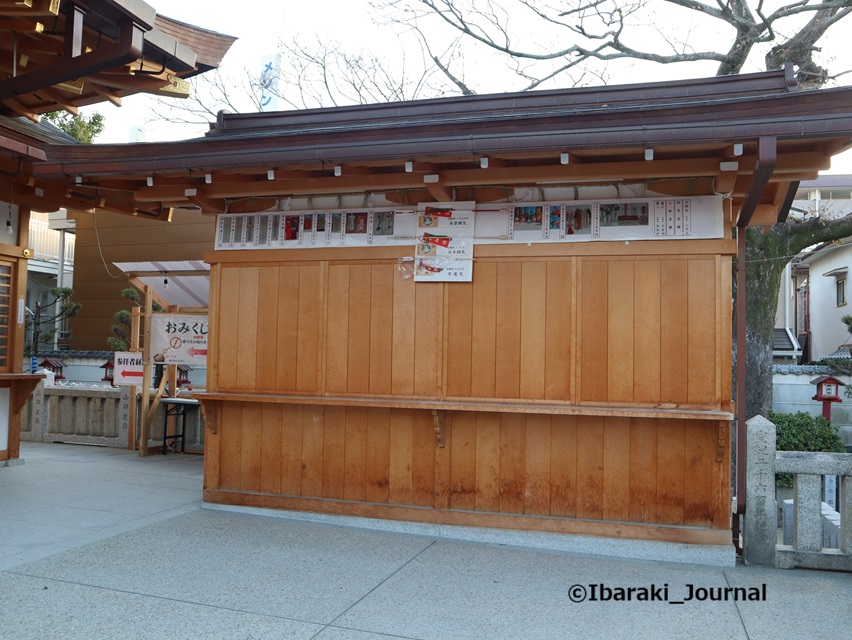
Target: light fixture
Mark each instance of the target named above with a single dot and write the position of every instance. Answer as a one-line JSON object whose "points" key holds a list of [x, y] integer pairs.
{"points": [[338, 170], [150, 181], [208, 178], [649, 154], [483, 162], [564, 158], [270, 174], [738, 149], [78, 179], [189, 193], [409, 167], [9, 228], [431, 178], [166, 283]]}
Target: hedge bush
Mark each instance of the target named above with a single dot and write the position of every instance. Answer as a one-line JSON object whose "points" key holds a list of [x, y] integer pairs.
{"points": [[803, 432]]}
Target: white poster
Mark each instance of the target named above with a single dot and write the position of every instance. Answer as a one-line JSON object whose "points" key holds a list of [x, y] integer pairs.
{"points": [[179, 339], [127, 368]]}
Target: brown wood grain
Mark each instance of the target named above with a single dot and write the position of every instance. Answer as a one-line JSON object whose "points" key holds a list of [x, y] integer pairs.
{"points": [[646, 332], [228, 329], [423, 462], [537, 471], [355, 454], [463, 462], [643, 470], [381, 329], [401, 451], [378, 455], [507, 371], [428, 336], [670, 471], [289, 422], [247, 344], [358, 344], [267, 329], [231, 438], [337, 330], [674, 327], [701, 352], [313, 437], [559, 327], [512, 467], [288, 328], [250, 461], [533, 330], [563, 466], [402, 365], [334, 448], [621, 308], [484, 338], [593, 322], [699, 460], [487, 461], [590, 459], [309, 328], [273, 457], [616, 469], [459, 335]]}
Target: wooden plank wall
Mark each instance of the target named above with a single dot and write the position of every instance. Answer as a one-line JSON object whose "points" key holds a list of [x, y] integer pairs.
{"points": [[639, 470], [637, 331], [602, 331]]}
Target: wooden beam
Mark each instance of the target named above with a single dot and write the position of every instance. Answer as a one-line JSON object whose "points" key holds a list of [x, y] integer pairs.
{"points": [[146, 372], [107, 93], [439, 191], [763, 169]]}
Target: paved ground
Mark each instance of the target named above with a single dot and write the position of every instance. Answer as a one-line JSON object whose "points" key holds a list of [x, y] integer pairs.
{"points": [[98, 543]]}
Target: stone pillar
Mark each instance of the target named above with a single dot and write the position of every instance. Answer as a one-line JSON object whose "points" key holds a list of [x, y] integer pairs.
{"points": [[123, 415], [761, 516], [807, 514], [845, 508], [38, 414]]}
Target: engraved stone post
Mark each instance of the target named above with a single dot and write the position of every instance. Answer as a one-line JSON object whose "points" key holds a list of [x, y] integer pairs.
{"points": [[761, 517]]}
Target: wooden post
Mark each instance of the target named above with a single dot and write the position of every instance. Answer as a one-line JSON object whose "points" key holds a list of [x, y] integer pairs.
{"points": [[133, 390], [146, 375]]}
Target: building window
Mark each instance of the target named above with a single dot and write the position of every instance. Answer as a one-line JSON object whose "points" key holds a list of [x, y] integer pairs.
{"points": [[841, 291]]}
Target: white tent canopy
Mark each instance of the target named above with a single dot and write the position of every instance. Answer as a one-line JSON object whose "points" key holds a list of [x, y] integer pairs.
{"points": [[181, 283]]}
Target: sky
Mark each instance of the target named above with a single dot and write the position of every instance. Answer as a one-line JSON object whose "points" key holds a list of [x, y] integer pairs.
{"points": [[351, 23]]}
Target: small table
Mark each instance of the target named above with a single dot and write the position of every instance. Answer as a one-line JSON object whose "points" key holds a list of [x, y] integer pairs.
{"points": [[177, 407]]}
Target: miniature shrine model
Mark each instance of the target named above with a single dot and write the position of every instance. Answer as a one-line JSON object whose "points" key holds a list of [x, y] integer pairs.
{"points": [[506, 311]]}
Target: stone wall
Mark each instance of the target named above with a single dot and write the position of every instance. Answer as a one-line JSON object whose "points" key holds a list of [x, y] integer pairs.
{"points": [[93, 416]]}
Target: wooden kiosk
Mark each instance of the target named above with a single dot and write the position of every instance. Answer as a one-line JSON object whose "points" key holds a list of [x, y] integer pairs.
{"points": [[556, 357]]}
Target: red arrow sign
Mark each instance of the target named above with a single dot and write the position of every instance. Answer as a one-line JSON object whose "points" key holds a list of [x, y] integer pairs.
{"points": [[196, 352], [131, 374]]}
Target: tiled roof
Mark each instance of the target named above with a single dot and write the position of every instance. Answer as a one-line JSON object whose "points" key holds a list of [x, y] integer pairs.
{"points": [[799, 369], [210, 47]]}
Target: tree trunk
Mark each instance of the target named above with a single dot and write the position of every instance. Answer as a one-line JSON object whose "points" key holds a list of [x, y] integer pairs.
{"points": [[765, 262]]}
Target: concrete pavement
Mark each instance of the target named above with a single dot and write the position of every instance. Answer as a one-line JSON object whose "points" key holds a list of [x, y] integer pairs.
{"points": [[98, 543]]}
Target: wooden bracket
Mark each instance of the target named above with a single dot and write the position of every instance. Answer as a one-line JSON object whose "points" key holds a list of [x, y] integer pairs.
{"points": [[438, 422], [209, 411]]}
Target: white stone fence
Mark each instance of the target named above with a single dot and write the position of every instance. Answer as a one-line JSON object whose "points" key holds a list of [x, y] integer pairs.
{"points": [[760, 536], [94, 416]]}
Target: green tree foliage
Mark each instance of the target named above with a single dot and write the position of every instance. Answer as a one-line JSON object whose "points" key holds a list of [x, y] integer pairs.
{"points": [[120, 340], [804, 432], [85, 129], [44, 318]]}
